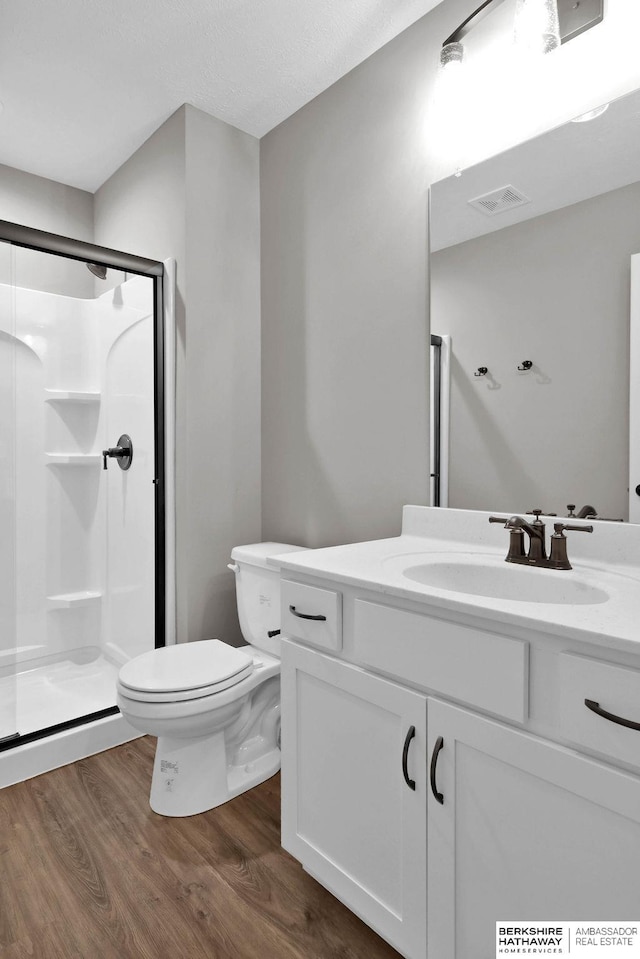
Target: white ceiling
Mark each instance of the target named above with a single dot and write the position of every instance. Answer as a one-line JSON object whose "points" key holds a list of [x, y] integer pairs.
{"points": [[84, 83]]}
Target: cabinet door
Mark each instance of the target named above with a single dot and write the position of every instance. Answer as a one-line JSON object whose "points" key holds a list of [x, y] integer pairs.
{"points": [[527, 831], [348, 814]]}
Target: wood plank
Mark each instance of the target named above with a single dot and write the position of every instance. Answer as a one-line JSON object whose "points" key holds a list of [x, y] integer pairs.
{"points": [[88, 871]]}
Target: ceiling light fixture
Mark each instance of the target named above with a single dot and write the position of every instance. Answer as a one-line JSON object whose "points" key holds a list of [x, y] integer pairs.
{"points": [[540, 26]]}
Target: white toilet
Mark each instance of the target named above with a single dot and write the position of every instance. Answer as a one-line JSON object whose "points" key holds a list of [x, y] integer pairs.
{"points": [[214, 708]]}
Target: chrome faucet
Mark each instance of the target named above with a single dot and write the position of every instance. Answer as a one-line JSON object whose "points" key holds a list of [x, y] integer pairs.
{"points": [[537, 554]]}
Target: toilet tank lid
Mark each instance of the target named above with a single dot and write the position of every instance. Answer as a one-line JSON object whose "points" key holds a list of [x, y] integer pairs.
{"points": [[262, 554]]}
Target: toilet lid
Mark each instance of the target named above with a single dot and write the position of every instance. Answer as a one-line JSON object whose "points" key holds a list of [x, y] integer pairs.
{"points": [[187, 667]]}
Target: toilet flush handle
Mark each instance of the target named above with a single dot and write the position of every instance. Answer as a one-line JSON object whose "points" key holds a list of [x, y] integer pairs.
{"points": [[233, 567]]}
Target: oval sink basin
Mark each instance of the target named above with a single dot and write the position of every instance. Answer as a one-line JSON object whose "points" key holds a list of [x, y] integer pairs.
{"points": [[521, 584]]}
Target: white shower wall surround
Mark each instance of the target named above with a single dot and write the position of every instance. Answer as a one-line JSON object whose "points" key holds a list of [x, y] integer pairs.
{"points": [[81, 559]]}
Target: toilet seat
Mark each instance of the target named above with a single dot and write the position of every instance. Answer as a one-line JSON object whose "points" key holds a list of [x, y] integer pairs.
{"points": [[184, 672]]}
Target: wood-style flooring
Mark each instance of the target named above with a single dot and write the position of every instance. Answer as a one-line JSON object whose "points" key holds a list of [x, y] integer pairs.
{"points": [[88, 871]]}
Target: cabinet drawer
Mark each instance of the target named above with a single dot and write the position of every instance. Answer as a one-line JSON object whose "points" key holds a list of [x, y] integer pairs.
{"points": [[474, 666], [616, 690], [301, 604]]}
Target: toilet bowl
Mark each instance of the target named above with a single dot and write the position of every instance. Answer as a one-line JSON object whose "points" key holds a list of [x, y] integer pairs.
{"points": [[214, 708]]}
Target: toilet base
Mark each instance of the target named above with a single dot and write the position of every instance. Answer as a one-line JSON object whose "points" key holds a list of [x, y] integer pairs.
{"points": [[191, 776]]}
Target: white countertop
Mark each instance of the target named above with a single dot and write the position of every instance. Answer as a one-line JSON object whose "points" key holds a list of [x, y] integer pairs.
{"points": [[606, 560]]}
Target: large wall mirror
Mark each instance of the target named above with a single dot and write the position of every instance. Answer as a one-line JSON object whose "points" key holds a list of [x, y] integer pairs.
{"points": [[532, 265]]}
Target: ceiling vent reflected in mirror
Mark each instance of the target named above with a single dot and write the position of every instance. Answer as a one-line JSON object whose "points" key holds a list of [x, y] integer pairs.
{"points": [[499, 201]]}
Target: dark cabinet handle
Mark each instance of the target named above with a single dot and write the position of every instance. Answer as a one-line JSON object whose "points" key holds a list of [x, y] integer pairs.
{"points": [[411, 783], [597, 709], [293, 610], [432, 775]]}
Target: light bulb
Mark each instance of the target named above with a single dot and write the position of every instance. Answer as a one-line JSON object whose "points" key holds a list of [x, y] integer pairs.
{"points": [[536, 26], [450, 99], [451, 55], [450, 77]]}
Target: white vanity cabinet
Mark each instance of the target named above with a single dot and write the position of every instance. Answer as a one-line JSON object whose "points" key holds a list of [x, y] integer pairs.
{"points": [[540, 812], [527, 830], [354, 790]]}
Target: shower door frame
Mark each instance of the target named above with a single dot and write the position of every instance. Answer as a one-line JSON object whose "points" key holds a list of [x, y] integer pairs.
{"points": [[23, 236], [440, 385]]}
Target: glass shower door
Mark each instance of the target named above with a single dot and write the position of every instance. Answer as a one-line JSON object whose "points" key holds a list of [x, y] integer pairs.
{"points": [[8, 699], [83, 513]]}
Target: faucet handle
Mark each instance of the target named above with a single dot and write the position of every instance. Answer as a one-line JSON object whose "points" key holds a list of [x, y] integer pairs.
{"points": [[500, 519], [570, 509], [558, 558], [560, 527]]}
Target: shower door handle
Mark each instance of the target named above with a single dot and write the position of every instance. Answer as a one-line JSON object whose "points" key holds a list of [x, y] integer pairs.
{"points": [[123, 452]]}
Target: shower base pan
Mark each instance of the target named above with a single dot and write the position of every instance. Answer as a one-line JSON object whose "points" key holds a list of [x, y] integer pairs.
{"points": [[55, 693]]}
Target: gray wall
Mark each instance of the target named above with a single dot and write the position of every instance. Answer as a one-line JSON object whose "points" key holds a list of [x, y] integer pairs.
{"points": [[45, 204], [550, 291], [222, 367], [344, 264], [53, 207], [344, 299], [191, 192]]}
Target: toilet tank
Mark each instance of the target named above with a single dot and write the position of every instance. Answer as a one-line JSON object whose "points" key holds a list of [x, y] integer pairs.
{"points": [[258, 592]]}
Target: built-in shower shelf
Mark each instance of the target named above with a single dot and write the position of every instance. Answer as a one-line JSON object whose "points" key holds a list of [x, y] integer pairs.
{"points": [[71, 396], [84, 597], [72, 459]]}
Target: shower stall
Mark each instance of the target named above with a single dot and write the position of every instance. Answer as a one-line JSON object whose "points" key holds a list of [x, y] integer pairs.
{"points": [[82, 491]]}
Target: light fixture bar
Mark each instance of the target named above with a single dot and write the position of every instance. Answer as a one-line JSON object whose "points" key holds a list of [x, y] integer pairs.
{"points": [[471, 20], [575, 17]]}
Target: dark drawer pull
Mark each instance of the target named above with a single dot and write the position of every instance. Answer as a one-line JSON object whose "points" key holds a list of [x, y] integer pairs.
{"points": [[411, 783], [434, 762], [596, 708], [293, 610]]}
